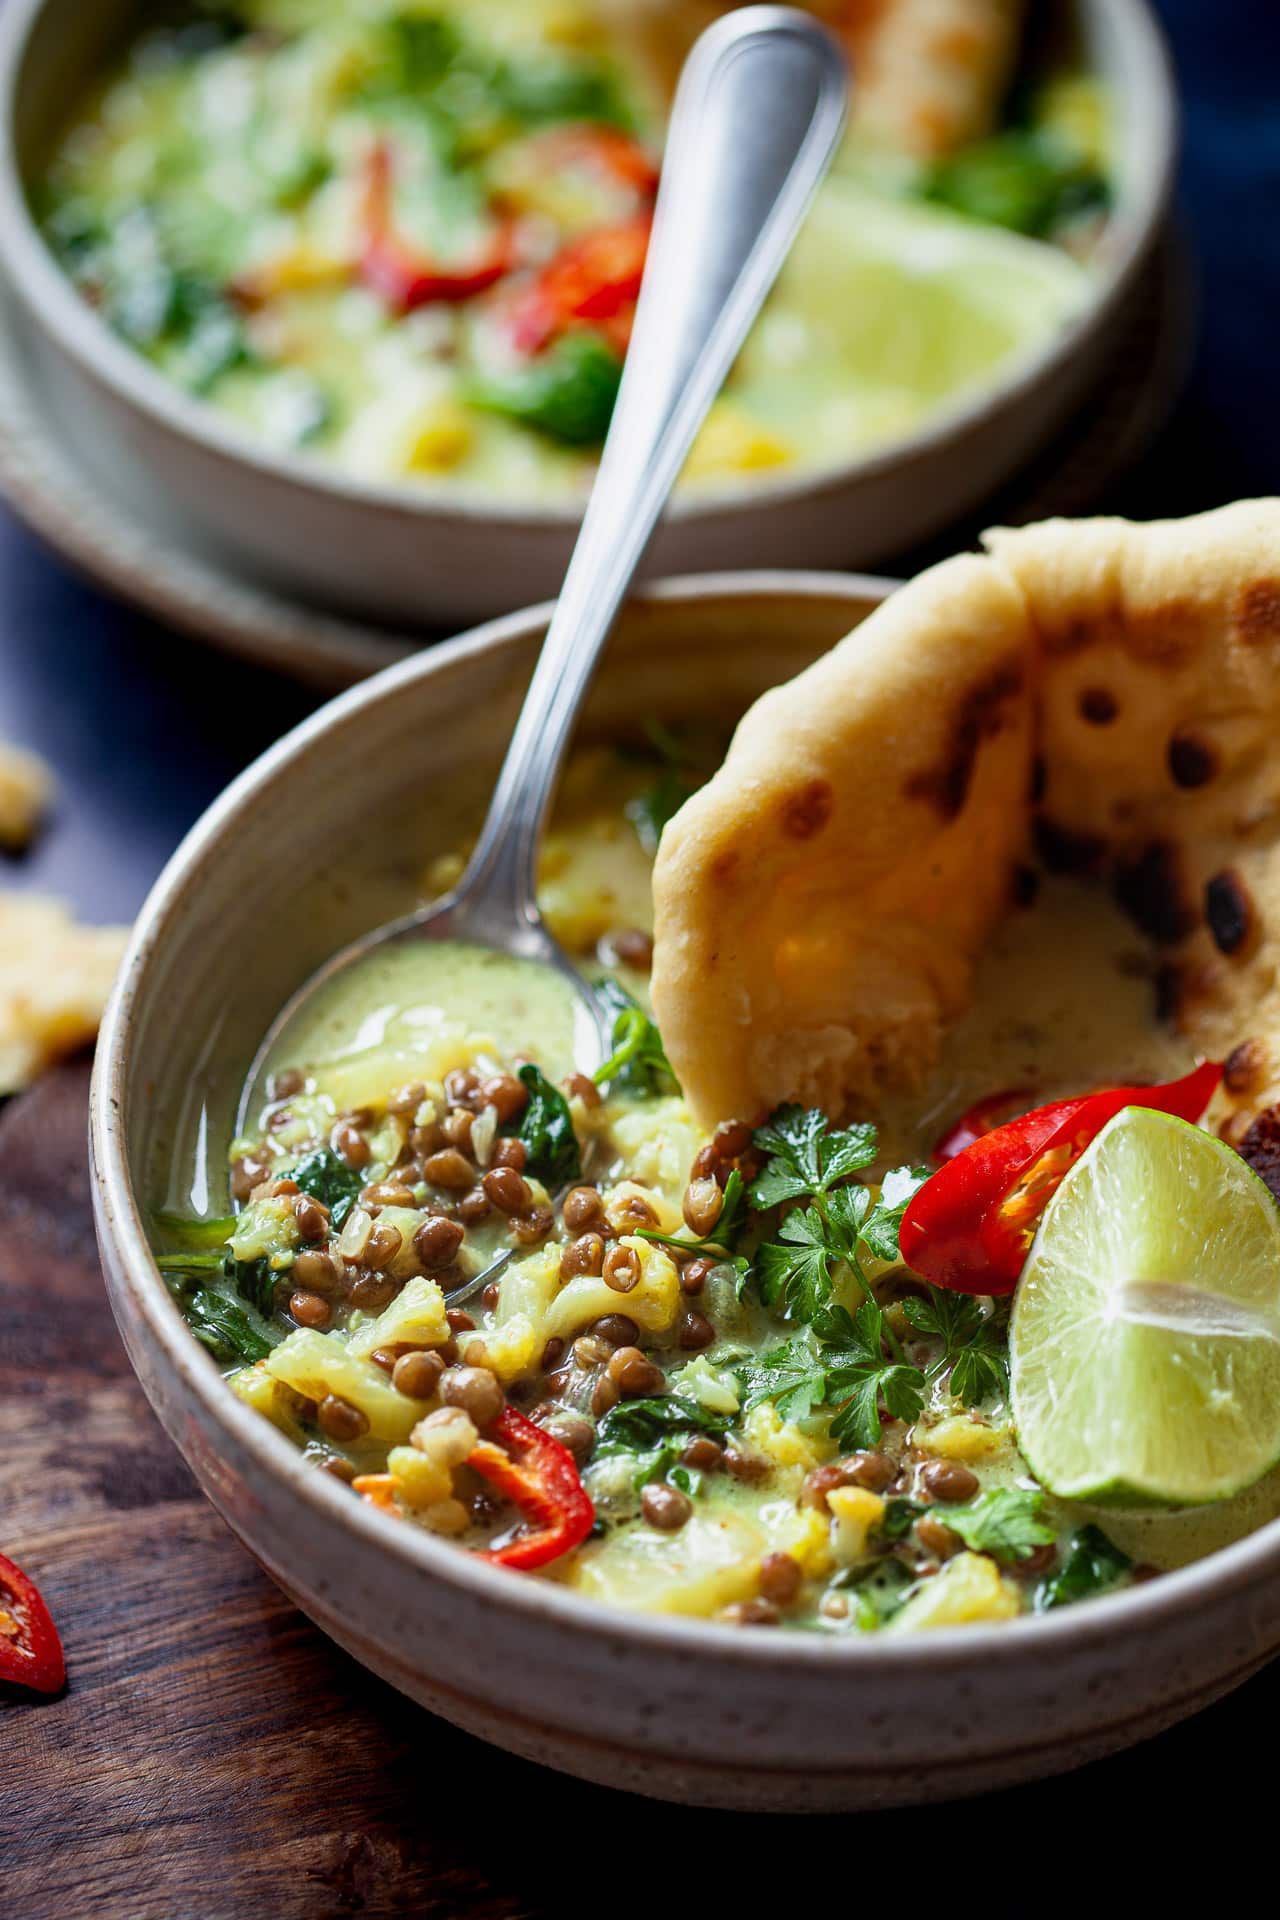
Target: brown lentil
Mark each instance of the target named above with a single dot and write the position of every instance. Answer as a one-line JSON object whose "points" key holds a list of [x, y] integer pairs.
{"points": [[750, 1468], [702, 1206], [580, 1087], [246, 1174], [780, 1578], [456, 1128], [383, 1246], [474, 1207], [350, 1145], [461, 1085], [630, 1212], [633, 1374], [316, 1270], [732, 1138], [387, 1193], [340, 1469], [475, 1390], [702, 1454], [283, 1085], [871, 1470], [437, 1241], [604, 1395], [527, 1229], [406, 1099], [937, 1538], [340, 1420], [573, 1432], [384, 1357], [619, 1329], [372, 1291], [309, 1309], [507, 1190], [1038, 1561], [633, 947], [417, 1375], [426, 1140], [948, 1480], [312, 1218], [460, 1320], [696, 1332], [665, 1507], [693, 1275], [491, 1295], [582, 1207], [509, 1153], [552, 1353], [583, 1255], [449, 1169], [751, 1613], [621, 1269], [507, 1094]]}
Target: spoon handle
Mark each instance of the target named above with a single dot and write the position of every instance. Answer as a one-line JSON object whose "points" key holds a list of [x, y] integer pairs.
{"points": [[757, 117]]}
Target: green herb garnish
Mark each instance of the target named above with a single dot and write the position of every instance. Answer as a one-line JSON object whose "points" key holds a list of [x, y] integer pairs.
{"points": [[972, 1343], [638, 1063], [566, 392], [546, 1128], [1093, 1564], [330, 1180], [1006, 1523], [1030, 181], [657, 1432], [224, 1328], [839, 1362]]}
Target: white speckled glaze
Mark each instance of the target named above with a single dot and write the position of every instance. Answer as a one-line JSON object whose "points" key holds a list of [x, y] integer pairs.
{"points": [[680, 1709], [421, 554]]}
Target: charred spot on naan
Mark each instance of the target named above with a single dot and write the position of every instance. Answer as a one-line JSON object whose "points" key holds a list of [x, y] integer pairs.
{"points": [[1257, 613], [1229, 913], [1193, 760], [1151, 886], [806, 812], [980, 714], [1260, 1146]]}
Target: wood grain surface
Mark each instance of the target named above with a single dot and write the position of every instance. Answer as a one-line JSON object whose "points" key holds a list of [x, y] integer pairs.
{"points": [[215, 1756]]}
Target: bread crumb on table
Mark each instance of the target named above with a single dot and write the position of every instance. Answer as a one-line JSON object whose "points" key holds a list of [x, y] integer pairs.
{"points": [[26, 789], [55, 976]]}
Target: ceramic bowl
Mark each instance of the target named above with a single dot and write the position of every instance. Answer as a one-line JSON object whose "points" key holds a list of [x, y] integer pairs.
{"points": [[681, 1709], [421, 554]]}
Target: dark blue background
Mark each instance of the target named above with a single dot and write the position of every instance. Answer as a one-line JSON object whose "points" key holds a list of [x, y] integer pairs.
{"points": [[144, 728]]}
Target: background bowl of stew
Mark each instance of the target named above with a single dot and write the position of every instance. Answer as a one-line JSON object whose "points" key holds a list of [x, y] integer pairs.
{"points": [[424, 551], [264, 888]]}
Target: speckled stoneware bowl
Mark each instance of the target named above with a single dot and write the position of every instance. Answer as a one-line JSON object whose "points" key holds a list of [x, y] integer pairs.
{"points": [[727, 1717], [425, 554]]}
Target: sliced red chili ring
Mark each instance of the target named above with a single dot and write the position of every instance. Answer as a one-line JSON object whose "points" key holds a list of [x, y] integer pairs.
{"points": [[407, 278], [30, 1650], [970, 1226], [981, 1119], [540, 1478]]}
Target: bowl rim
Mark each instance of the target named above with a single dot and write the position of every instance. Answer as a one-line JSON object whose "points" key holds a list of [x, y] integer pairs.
{"points": [[1233, 1568], [50, 300]]}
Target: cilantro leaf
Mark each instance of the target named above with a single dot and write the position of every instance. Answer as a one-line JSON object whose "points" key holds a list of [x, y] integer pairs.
{"points": [[723, 1235], [860, 1371], [797, 1274], [897, 1190], [546, 1128], [973, 1343], [1093, 1564], [638, 1062], [792, 1376], [1006, 1523], [805, 1157], [331, 1181]]}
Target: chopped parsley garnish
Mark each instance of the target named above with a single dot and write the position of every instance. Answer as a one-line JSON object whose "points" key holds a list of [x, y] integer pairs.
{"points": [[638, 1064], [722, 1238], [808, 1161], [546, 1128], [1006, 1523], [840, 1363], [1093, 1564], [331, 1181], [898, 1518], [973, 1344]]}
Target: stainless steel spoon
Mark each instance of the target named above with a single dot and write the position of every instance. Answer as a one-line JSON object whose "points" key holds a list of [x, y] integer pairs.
{"points": [[757, 117]]}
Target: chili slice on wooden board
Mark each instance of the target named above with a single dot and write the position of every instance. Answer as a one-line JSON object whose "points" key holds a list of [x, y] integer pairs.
{"points": [[971, 1224], [30, 1650], [540, 1478]]}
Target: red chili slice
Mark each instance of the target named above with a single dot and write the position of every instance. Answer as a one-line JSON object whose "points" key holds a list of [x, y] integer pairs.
{"points": [[596, 279], [604, 150], [30, 1650], [970, 1226], [542, 1480], [405, 277], [981, 1119]]}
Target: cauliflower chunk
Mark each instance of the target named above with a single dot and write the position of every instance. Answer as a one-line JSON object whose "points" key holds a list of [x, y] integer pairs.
{"points": [[854, 1511], [709, 1564], [652, 1303], [960, 1438], [970, 1587], [316, 1364], [416, 1318]]}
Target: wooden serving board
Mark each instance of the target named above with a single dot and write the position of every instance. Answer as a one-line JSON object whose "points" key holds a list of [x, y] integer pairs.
{"points": [[214, 1755]]}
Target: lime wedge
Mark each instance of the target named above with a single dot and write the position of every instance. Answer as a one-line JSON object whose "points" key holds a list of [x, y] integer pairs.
{"points": [[1145, 1341]]}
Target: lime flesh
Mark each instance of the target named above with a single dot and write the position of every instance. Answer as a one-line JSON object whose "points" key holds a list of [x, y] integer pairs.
{"points": [[1145, 1341]]}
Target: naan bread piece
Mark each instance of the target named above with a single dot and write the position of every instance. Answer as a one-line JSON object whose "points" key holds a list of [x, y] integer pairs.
{"points": [[929, 75], [819, 903], [55, 976], [1134, 671]]}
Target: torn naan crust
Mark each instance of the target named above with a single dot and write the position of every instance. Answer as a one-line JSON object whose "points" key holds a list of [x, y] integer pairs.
{"points": [[1108, 692], [928, 75]]}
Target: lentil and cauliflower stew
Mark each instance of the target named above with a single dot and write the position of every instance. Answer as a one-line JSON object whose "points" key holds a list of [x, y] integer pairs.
{"points": [[756, 1366]]}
